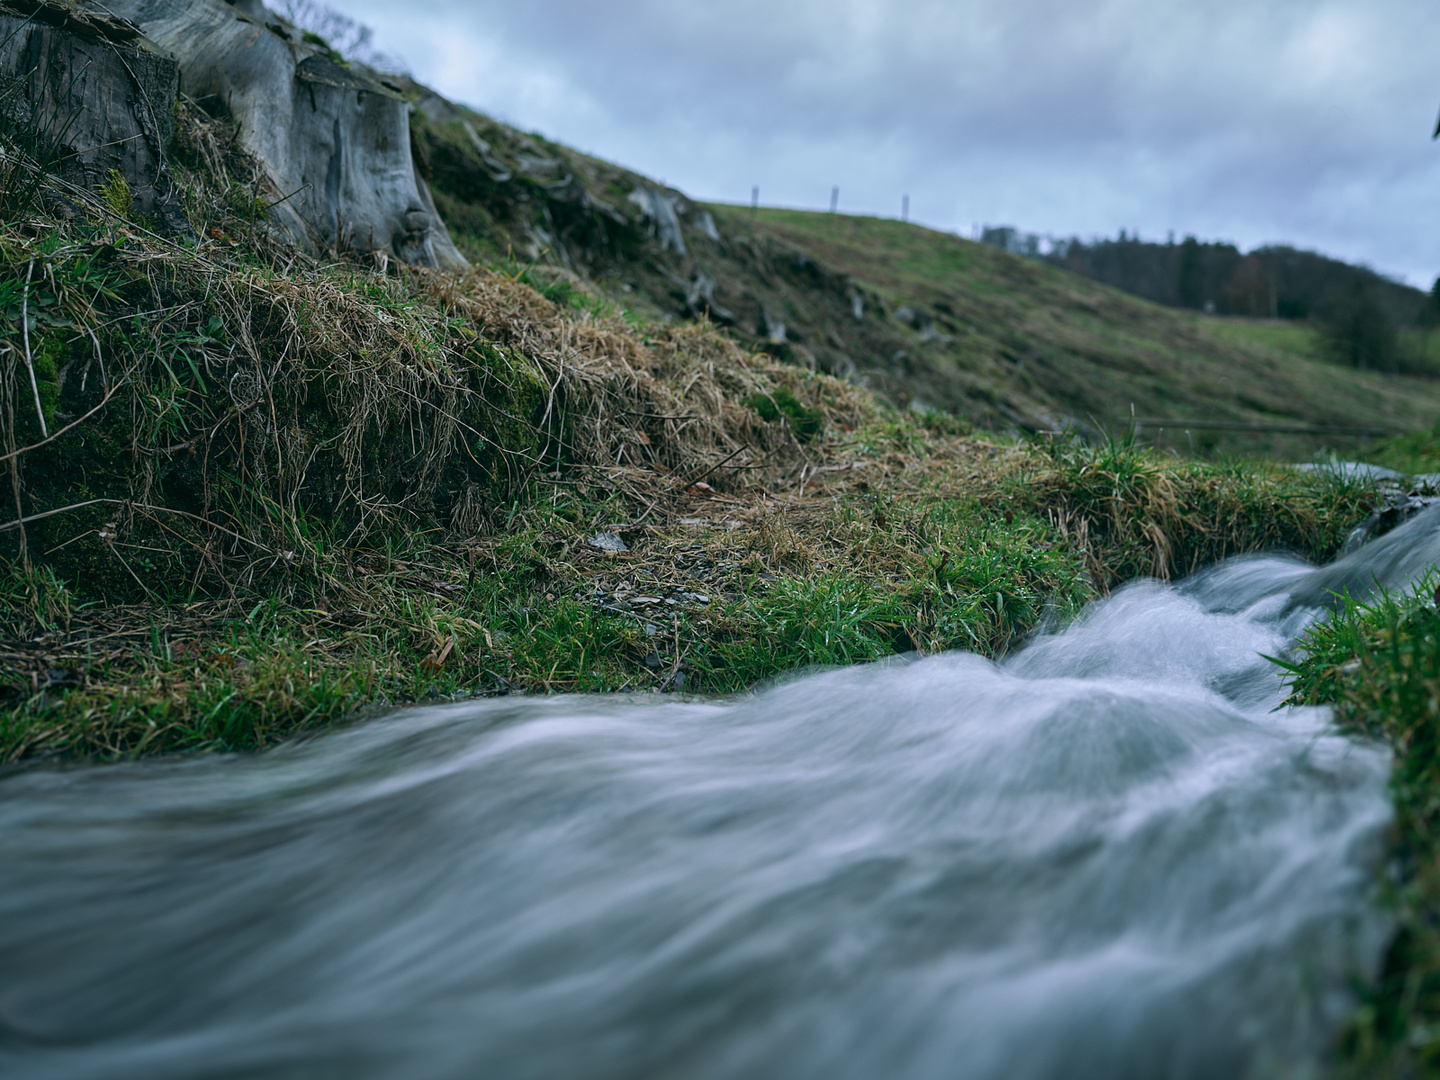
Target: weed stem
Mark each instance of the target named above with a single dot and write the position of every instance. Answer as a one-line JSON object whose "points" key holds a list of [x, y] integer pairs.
{"points": [[25, 332]]}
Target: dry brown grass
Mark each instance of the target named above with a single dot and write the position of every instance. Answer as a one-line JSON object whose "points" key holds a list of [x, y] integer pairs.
{"points": [[667, 401], [260, 408]]}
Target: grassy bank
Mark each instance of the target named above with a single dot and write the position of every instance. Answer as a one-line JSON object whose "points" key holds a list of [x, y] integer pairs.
{"points": [[254, 492], [908, 539], [1418, 452], [1378, 665]]}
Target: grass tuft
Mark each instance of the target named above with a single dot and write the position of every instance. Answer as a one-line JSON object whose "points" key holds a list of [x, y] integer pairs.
{"points": [[1141, 513], [1378, 665], [117, 194]]}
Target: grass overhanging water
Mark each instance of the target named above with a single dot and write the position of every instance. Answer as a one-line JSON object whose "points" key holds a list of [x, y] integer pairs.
{"points": [[1377, 664]]}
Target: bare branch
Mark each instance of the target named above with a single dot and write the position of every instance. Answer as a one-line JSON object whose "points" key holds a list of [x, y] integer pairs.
{"points": [[146, 507]]}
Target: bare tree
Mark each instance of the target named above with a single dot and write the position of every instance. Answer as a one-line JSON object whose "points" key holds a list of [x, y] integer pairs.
{"points": [[351, 39]]}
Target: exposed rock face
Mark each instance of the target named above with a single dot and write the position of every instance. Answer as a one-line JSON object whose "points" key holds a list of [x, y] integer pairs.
{"points": [[335, 138], [88, 95], [659, 208]]}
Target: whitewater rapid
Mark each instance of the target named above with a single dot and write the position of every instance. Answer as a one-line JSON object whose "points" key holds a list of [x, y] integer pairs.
{"points": [[1108, 855]]}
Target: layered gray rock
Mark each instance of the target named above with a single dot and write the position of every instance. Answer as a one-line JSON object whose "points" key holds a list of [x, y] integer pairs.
{"points": [[88, 98], [333, 136]]}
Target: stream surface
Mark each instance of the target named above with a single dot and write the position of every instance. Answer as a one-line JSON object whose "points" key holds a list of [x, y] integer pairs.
{"points": [[1107, 856]]}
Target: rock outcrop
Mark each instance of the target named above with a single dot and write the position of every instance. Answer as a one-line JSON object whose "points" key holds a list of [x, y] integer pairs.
{"points": [[659, 210], [90, 99], [333, 136]]}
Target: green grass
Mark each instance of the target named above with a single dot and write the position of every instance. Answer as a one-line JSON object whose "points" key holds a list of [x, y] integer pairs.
{"points": [[1378, 665], [1019, 338], [900, 255], [805, 422], [1136, 512], [1294, 339], [1418, 351], [521, 614], [1421, 347], [1418, 452], [947, 542]]}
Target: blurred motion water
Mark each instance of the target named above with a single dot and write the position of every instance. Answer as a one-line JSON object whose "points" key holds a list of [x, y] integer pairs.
{"points": [[1106, 856]]}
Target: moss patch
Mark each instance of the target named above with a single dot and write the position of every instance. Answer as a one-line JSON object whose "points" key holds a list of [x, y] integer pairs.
{"points": [[781, 403], [117, 194]]}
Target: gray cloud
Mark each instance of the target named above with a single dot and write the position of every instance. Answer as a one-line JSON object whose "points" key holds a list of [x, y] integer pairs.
{"points": [[1249, 120]]}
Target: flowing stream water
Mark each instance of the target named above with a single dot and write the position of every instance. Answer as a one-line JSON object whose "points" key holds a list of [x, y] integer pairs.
{"points": [[1106, 856]]}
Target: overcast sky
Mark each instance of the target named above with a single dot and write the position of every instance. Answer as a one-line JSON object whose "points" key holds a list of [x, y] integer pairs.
{"points": [[1252, 121]]}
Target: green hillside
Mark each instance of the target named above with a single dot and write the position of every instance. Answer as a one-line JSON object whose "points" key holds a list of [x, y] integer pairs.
{"points": [[1293, 338], [1037, 341], [924, 318]]}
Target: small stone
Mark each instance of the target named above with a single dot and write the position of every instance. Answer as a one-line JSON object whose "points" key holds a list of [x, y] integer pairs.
{"points": [[607, 542]]}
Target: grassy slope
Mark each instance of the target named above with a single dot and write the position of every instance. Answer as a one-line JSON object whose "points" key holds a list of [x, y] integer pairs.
{"points": [[1417, 346], [999, 340], [1294, 339], [1417, 452], [1378, 665], [1070, 347], [918, 541]]}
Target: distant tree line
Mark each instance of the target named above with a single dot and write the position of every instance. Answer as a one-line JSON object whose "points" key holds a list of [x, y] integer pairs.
{"points": [[1359, 313]]}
